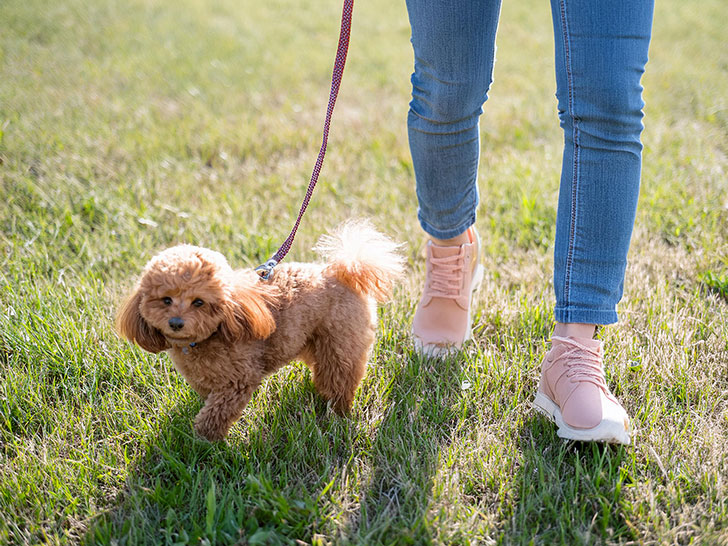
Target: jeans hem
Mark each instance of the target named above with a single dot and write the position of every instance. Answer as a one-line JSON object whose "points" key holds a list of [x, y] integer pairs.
{"points": [[585, 316], [448, 233]]}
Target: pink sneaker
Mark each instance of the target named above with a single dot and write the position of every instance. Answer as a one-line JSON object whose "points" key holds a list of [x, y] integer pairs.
{"points": [[442, 322], [574, 394]]}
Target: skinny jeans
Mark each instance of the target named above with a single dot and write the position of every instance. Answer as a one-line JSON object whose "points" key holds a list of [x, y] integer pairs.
{"points": [[600, 55]]}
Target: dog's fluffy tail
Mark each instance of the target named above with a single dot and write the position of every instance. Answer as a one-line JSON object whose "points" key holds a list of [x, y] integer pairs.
{"points": [[362, 258]]}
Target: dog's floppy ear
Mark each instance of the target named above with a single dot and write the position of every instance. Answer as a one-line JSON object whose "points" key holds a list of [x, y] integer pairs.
{"points": [[132, 326], [246, 311]]}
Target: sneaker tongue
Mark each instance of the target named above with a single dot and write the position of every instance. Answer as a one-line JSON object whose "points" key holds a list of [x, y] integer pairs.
{"points": [[585, 342], [588, 342], [444, 251]]}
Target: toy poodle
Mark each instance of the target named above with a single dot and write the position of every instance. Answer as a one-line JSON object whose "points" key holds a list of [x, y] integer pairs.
{"points": [[226, 330]]}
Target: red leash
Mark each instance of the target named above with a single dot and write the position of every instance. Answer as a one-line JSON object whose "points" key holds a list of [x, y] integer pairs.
{"points": [[265, 270]]}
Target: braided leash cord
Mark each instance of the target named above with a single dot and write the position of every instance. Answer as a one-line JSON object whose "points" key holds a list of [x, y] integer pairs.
{"points": [[265, 270]]}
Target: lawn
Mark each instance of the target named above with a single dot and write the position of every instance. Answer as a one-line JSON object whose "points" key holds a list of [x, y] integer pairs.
{"points": [[126, 127]]}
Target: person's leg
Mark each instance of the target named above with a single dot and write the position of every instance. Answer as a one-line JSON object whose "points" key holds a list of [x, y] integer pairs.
{"points": [[454, 48], [601, 52]]}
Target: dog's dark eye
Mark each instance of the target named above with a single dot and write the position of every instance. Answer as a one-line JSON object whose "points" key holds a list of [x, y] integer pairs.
{"points": [[198, 302], [167, 300]]}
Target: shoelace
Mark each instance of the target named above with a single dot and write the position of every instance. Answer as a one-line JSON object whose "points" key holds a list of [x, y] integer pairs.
{"points": [[446, 276], [583, 363]]}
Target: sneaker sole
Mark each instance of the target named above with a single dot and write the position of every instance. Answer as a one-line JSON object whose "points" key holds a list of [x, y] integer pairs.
{"points": [[441, 352], [607, 431]]}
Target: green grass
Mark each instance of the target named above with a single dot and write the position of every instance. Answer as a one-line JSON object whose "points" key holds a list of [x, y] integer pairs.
{"points": [[126, 127]]}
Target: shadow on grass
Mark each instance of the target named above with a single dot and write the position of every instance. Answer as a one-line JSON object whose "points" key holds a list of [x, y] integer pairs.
{"points": [[405, 455], [261, 487], [281, 475], [567, 492]]}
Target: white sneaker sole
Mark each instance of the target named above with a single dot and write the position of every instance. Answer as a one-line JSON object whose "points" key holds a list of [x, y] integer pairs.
{"points": [[608, 431], [442, 351]]}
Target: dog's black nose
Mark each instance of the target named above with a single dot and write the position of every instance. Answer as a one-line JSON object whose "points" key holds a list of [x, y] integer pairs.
{"points": [[176, 323]]}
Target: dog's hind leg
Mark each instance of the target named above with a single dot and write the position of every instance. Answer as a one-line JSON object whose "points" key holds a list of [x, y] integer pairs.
{"points": [[339, 364]]}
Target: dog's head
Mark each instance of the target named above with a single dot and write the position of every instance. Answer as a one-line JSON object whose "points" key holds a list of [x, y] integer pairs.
{"points": [[187, 293]]}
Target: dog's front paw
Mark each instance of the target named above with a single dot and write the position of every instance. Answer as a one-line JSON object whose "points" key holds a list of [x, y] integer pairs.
{"points": [[210, 431]]}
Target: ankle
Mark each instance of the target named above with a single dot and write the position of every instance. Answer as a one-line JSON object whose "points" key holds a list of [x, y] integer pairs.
{"points": [[462, 239], [574, 329]]}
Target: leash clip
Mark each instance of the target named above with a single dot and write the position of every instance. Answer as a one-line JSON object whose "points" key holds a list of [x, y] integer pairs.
{"points": [[265, 270]]}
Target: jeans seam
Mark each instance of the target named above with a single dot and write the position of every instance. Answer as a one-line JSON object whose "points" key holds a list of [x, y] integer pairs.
{"points": [[575, 166]]}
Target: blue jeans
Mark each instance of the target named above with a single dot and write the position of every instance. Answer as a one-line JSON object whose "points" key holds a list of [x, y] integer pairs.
{"points": [[601, 52]]}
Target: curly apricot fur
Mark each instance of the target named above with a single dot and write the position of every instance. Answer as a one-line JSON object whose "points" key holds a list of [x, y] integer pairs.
{"points": [[229, 329]]}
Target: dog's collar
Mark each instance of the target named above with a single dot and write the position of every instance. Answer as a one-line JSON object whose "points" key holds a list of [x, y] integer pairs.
{"points": [[186, 349]]}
